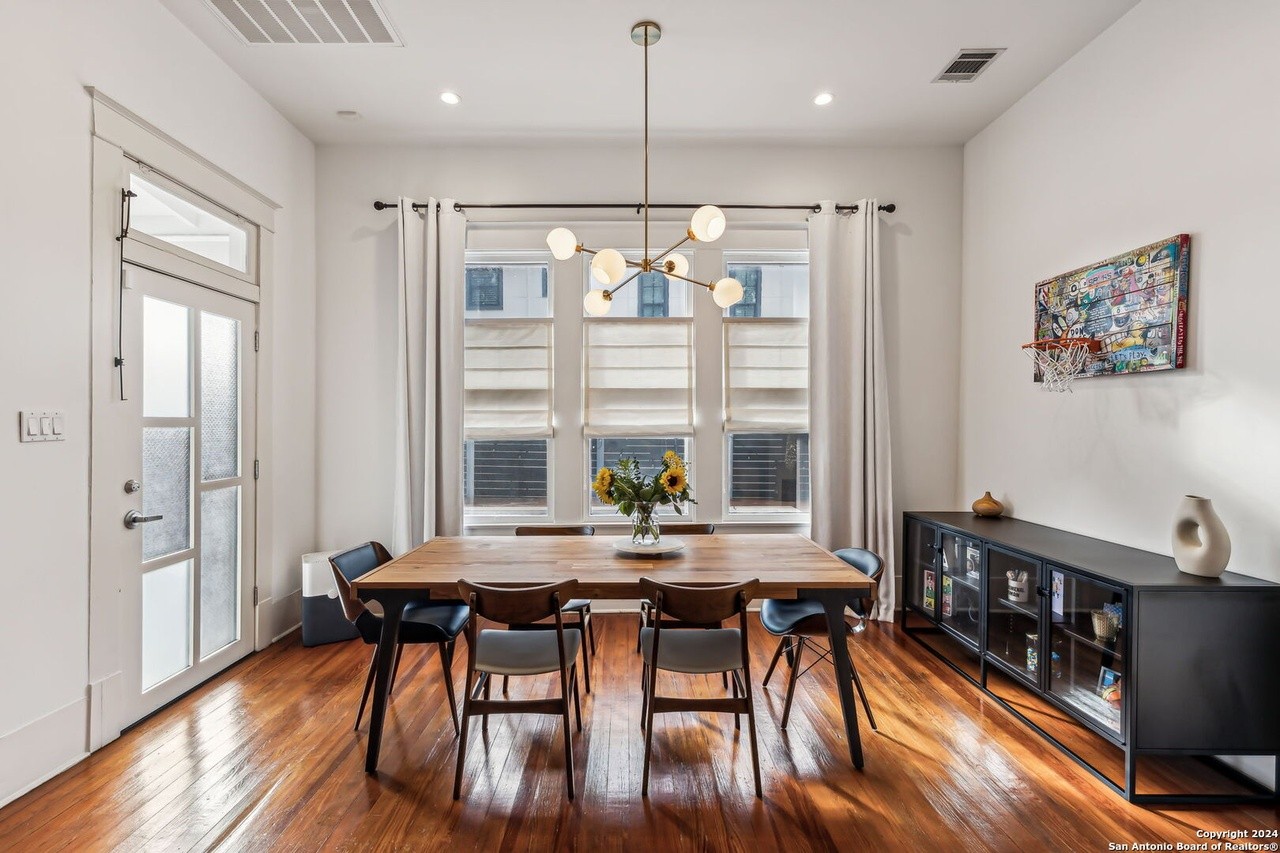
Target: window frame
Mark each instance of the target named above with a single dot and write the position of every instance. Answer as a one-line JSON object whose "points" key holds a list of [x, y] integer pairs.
{"points": [[568, 477]]}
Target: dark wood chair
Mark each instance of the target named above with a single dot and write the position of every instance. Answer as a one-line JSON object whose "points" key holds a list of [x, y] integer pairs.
{"points": [[495, 652], [686, 529], [799, 621], [579, 606], [713, 650], [428, 621]]}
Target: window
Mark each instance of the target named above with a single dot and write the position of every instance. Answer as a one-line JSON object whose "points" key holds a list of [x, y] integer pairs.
{"points": [[507, 363], [173, 217], [749, 275], [639, 377], [653, 294], [766, 394], [605, 452], [484, 288]]}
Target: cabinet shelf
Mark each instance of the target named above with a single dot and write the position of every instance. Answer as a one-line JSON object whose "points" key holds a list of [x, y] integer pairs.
{"points": [[1017, 607], [1076, 632]]}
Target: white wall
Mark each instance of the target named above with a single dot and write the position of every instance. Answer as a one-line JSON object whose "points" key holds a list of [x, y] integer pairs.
{"points": [[1166, 123], [136, 53], [357, 269]]}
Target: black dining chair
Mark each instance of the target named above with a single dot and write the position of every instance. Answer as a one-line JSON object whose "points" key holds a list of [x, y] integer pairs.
{"points": [[578, 606], [428, 621], [686, 529], [722, 650], [799, 621], [493, 652]]}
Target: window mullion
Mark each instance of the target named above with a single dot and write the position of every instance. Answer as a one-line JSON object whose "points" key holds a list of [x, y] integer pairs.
{"points": [[708, 476]]}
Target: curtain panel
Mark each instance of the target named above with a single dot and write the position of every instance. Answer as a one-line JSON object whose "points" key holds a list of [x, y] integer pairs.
{"points": [[850, 462], [429, 333]]}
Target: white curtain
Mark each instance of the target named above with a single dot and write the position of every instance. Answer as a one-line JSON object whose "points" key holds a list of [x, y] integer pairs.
{"points": [[852, 491], [429, 333]]}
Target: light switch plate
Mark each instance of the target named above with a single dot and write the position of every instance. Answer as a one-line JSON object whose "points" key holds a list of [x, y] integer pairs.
{"points": [[41, 426]]}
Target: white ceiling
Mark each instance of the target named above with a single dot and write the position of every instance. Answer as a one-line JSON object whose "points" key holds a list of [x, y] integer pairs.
{"points": [[740, 69]]}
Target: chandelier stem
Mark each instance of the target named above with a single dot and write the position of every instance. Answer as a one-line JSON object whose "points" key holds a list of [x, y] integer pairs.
{"points": [[646, 142]]}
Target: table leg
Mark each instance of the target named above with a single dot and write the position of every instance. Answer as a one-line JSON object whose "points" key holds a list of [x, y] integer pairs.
{"points": [[393, 603], [834, 602]]}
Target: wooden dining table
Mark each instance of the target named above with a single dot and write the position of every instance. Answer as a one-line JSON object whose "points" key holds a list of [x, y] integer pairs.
{"points": [[787, 565]]}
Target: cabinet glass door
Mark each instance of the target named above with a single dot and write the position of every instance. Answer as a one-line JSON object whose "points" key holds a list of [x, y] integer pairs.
{"points": [[921, 566], [1087, 641], [960, 584], [1013, 613]]}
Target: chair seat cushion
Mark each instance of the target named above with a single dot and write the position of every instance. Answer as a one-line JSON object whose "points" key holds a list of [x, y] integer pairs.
{"points": [[695, 650], [524, 652], [802, 616], [577, 604], [434, 622]]}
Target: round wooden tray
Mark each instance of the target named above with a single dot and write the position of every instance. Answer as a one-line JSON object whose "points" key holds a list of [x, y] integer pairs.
{"points": [[666, 546]]}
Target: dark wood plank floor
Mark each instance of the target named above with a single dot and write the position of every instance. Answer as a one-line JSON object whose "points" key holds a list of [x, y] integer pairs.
{"points": [[263, 758]]}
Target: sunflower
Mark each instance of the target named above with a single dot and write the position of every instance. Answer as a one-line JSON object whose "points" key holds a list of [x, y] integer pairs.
{"points": [[674, 481], [603, 484], [672, 459]]}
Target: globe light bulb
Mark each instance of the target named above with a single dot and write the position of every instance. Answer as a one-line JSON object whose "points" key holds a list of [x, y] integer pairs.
{"points": [[596, 303], [728, 291], [608, 266], [679, 264], [562, 243], [707, 223]]}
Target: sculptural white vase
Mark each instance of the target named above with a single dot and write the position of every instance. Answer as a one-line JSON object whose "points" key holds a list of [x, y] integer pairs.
{"points": [[1201, 545]]}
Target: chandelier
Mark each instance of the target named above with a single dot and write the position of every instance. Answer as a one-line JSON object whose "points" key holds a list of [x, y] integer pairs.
{"points": [[608, 266]]}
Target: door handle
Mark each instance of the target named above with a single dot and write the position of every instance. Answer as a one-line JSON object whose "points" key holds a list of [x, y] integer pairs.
{"points": [[133, 518]]}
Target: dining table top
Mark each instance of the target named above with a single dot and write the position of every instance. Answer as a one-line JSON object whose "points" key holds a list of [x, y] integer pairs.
{"points": [[786, 564]]}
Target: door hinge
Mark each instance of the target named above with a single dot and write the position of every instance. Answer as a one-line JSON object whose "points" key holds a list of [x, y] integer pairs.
{"points": [[257, 469], [256, 341], [255, 596]]}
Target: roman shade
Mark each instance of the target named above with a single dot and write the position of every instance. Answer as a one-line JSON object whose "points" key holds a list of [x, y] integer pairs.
{"points": [[507, 366], [639, 377], [766, 375]]}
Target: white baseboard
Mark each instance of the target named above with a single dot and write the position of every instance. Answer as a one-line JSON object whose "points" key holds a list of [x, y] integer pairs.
{"points": [[56, 740]]}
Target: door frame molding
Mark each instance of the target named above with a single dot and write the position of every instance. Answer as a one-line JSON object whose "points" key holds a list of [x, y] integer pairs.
{"points": [[119, 139]]}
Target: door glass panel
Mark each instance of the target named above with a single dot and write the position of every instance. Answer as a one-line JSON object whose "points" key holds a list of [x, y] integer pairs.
{"points": [[173, 219], [166, 622], [219, 569], [219, 397], [920, 556], [960, 585], [166, 369], [166, 490], [1013, 613], [1086, 647]]}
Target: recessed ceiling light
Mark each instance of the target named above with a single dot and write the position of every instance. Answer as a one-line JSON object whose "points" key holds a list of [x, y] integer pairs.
{"points": [[450, 98], [348, 115], [823, 98]]}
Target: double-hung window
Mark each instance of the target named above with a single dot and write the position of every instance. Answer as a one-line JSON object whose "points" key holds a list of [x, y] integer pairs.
{"points": [[766, 387], [638, 377], [507, 417]]}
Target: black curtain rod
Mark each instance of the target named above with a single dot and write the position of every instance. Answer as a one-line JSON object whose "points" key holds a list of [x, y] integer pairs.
{"points": [[812, 208]]}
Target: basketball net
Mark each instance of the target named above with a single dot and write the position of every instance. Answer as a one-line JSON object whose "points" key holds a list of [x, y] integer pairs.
{"points": [[1060, 360]]}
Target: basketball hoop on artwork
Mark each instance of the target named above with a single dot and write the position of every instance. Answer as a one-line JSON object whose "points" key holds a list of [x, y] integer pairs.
{"points": [[1059, 361]]}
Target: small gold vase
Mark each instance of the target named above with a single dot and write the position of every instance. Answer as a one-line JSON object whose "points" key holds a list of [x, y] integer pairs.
{"points": [[987, 506]]}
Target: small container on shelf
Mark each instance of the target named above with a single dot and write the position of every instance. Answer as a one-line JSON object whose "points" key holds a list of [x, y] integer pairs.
{"points": [[1033, 651]]}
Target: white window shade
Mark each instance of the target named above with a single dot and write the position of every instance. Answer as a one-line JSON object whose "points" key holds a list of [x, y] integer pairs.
{"points": [[508, 378], [639, 377], [766, 375]]}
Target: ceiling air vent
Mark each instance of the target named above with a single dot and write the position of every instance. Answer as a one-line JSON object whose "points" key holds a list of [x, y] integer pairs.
{"points": [[306, 21], [968, 64]]}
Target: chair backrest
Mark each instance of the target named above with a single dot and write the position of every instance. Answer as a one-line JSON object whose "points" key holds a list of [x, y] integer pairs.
{"points": [[700, 604], [351, 564], [688, 529], [867, 562], [566, 530], [517, 605]]}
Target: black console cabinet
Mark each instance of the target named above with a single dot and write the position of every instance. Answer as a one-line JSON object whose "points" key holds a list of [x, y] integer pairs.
{"points": [[1148, 659]]}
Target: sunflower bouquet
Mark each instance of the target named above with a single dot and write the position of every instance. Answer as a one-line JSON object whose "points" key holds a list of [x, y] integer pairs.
{"points": [[638, 496]]}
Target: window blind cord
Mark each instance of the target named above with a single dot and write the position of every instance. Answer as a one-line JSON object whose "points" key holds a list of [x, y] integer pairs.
{"points": [[126, 210]]}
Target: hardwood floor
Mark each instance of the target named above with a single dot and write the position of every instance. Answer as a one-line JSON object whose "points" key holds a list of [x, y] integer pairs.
{"points": [[263, 758]]}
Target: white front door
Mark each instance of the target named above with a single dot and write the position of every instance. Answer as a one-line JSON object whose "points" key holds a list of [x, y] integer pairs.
{"points": [[177, 487]]}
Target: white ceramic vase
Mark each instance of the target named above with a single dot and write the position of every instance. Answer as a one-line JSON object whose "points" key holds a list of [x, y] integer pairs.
{"points": [[1201, 545]]}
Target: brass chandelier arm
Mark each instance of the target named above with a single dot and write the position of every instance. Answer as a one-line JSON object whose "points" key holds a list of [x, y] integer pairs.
{"points": [[609, 293], [683, 240], [691, 280]]}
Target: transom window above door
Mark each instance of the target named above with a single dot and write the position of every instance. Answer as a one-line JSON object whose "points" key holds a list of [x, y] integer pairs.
{"points": [[173, 218]]}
